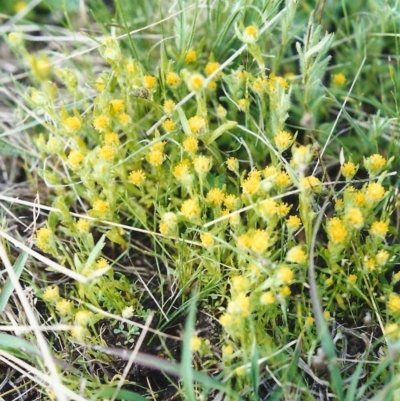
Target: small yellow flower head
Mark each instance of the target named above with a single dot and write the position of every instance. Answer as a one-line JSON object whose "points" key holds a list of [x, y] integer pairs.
{"points": [[182, 173], [374, 192], [394, 303], [250, 34], [172, 79], [83, 225], [137, 177], [16, 39], [240, 371], [101, 123], [63, 306], [100, 206], [211, 67], [251, 184], [190, 57], [207, 240], [234, 220], [51, 294], [75, 158], [190, 208], [352, 279], [72, 124], [111, 139], [149, 82], [39, 98], [338, 79], [231, 202], [43, 237], [232, 164], [293, 223], [283, 140], [118, 105], [379, 229], [107, 153], [285, 275], [240, 305], [101, 263], [355, 218], [283, 209], [285, 291], [282, 180], [260, 85], [243, 241], [83, 317], [267, 209], [360, 199], [269, 171], [216, 196], [190, 145], [392, 331], [100, 84], [128, 312], [169, 106], [267, 298], [212, 86], [169, 125], [274, 81], [369, 264], [296, 255], [225, 320], [197, 125], [337, 231], [311, 182], [202, 165], [374, 164], [227, 350], [382, 257], [196, 82], [169, 222], [156, 158], [309, 320], [112, 52], [239, 283], [259, 241], [195, 343], [221, 112], [329, 281], [124, 118], [327, 315], [349, 170], [78, 332]]}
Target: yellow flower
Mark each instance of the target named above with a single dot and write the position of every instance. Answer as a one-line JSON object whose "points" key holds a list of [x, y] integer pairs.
{"points": [[355, 217], [285, 291], [240, 305], [231, 202], [225, 320], [195, 343], [207, 240], [75, 158], [212, 86], [190, 144], [336, 229], [259, 241], [267, 208], [51, 294], [243, 241], [309, 320], [375, 192], [282, 180], [101, 263], [242, 104], [190, 57], [216, 196], [100, 84], [149, 82], [374, 164], [283, 209], [101, 123], [137, 177], [124, 118], [100, 206], [302, 156], [107, 153], [43, 237], [394, 303], [338, 79], [169, 125], [352, 279], [392, 330], [296, 255], [83, 225], [349, 170], [72, 124], [250, 34], [197, 124], [312, 183], [382, 257], [111, 139], [169, 106], [227, 350], [172, 79], [379, 229], [251, 184], [63, 306], [83, 317], [127, 312], [211, 67], [190, 208], [327, 315], [369, 264], [155, 157], [239, 283], [285, 275], [269, 171], [118, 105], [267, 298], [293, 223], [202, 165], [283, 140], [232, 164], [196, 82]]}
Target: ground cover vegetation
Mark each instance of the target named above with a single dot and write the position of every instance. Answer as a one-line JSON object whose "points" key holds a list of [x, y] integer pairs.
{"points": [[199, 200]]}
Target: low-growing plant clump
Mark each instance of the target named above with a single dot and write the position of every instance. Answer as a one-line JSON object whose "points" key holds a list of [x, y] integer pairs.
{"points": [[246, 163]]}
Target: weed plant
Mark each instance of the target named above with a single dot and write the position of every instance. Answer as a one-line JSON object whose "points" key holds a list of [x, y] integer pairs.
{"points": [[218, 201]]}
